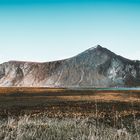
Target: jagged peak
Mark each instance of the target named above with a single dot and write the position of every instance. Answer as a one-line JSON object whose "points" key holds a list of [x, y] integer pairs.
{"points": [[95, 47], [108, 52], [100, 48], [90, 50]]}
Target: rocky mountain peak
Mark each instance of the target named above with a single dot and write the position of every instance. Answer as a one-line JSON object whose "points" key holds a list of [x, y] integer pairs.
{"points": [[95, 67], [98, 48]]}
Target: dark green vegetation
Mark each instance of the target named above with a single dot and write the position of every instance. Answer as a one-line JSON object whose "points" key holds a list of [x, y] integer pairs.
{"points": [[69, 114]]}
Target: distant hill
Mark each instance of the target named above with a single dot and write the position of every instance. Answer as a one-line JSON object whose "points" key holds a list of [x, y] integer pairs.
{"points": [[95, 67]]}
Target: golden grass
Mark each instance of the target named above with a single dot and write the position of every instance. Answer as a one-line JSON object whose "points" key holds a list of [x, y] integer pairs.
{"points": [[31, 90], [73, 94], [107, 98]]}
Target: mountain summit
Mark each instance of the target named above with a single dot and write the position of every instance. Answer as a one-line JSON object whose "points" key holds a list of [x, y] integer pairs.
{"points": [[95, 67]]}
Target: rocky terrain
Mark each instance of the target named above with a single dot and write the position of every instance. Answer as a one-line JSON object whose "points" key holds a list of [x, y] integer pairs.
{"points": [[95, 67]]}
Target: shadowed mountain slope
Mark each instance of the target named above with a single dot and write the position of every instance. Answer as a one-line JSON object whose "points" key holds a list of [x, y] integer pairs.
{"points": [[95, 67]]}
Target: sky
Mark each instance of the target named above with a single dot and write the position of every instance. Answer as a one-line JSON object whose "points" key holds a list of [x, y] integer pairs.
{"points": [[48, 30]]}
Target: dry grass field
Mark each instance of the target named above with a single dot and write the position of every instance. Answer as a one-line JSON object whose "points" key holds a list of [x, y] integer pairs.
{"points": [[73, 94], [69, 114]]}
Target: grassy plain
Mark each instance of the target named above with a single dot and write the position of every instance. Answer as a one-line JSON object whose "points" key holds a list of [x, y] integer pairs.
{"points": [[74, 114]]}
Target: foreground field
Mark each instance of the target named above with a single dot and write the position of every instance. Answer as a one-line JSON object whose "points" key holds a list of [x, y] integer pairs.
{"points": [[69, 114], [40, 127]]}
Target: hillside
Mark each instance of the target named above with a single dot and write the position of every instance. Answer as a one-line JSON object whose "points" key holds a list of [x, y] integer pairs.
{"points": [[95, 67]]}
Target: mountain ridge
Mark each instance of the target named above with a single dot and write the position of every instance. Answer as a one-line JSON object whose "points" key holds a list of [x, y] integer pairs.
{"points": [[95, 67]]}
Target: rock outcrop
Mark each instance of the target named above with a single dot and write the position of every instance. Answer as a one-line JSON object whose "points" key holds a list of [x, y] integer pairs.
{"points": [[96, 67]]}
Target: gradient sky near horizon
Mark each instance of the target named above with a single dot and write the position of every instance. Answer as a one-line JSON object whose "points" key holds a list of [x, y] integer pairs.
{"points": [[47, 30]]}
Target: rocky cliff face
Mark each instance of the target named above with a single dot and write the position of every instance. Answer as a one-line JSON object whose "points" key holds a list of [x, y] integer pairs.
{"points": [[96, 67]]}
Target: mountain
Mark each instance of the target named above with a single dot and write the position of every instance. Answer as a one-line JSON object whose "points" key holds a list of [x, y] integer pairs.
{"points": [[95, 67]]}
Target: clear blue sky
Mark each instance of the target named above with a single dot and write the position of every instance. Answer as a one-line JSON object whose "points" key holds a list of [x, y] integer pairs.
{"points": [[46, 30]]}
